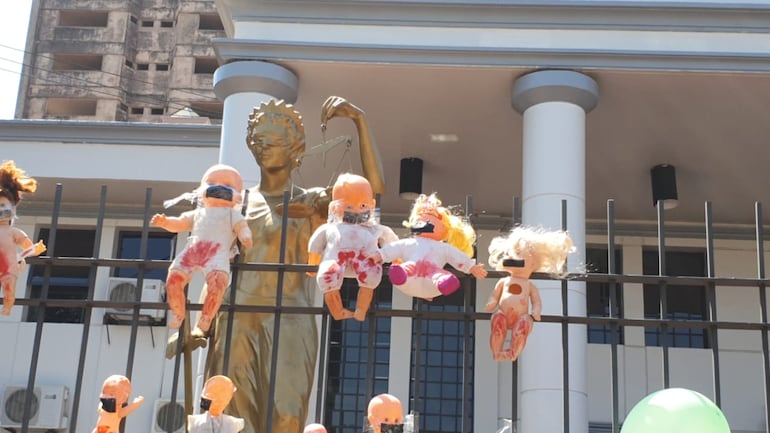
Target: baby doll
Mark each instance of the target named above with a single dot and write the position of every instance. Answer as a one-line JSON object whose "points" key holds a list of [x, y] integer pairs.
{"points": [[524, 251], [13, 182], [217, 393], [213, 227], [314, 428], [439, 238], [385, 414], [343, 246], [114, 406]]}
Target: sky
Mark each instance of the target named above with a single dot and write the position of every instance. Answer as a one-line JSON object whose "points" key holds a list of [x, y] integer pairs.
{"points": [[13, 38]]}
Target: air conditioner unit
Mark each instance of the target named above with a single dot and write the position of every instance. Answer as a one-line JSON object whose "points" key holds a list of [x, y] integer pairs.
{"points": [[48, 408], [168, 417], [124, 290]]}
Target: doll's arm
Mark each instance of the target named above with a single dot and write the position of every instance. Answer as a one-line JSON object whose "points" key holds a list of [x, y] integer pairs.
{"points": [[171, 224], [244, 233], [478, 271], [537, 304], [313, 259], [126, 411], [21, 239], [494, 297]]}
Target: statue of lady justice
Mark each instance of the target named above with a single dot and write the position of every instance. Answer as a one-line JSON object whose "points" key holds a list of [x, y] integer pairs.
{"points": [[276, 138]]}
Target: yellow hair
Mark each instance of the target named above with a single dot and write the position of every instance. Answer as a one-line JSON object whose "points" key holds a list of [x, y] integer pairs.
{"points": [[549, 247], [460, 234]]}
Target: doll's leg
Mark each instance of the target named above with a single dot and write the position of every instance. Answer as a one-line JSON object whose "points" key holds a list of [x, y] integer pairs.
{"points": [[446, 282], [329, 280], [175, 284], [397, 274], [9, 293], [521, 330], [216, 283], [334, 302], [497, 336], [363, 301]]}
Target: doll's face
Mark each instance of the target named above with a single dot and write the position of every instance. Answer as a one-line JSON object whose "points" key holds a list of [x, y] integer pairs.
{"points": [[314, 428], [386, 411], [7, 209], [353, 201], [223, 187], [524, 262], [439, 231], [218, 391]]}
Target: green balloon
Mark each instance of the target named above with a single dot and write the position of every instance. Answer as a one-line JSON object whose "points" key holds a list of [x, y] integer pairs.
{"points": [[675, 410]]}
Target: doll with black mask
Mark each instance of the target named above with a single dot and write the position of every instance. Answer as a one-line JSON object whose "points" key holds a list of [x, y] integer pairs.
{"points": [[217, 393], [113, 404]]}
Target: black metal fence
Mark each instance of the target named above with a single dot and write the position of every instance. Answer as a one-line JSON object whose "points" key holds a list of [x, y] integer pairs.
{"points": [[464, 313]]}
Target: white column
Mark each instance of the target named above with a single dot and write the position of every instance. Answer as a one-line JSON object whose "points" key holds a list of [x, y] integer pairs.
{"points": [[554, 106], [244, 85]]}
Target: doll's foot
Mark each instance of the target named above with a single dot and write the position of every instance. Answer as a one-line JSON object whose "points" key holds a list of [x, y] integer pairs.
{"points": [[360, 315], [448, 284], [204, 322], [341, 314], [6, 311], [176, 321], [397, 274], [198, 339]]}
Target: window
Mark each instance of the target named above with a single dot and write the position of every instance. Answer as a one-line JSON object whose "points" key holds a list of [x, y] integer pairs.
{"points": [[133, 19], [598, 295], [156, 111], [143, 66], [137, 110], [347, 378], [122, 107], [682, 301], [77, 62], [146, 23], [167, 24], [160, 246], [437, 376], [130, 64], [210, 22], [161, 67], [206, 65], [83, 18], [65, 107], [64, 282]]}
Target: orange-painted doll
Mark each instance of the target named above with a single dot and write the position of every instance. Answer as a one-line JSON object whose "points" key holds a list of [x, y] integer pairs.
{"points": [[343, 246], [385, 414], [13, 182], [524, 251], [213, 227], [217, 393], [439, 238], [113, 405]]}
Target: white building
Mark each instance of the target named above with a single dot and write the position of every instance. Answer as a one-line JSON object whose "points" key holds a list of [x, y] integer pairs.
{"points": [[548, 101]]}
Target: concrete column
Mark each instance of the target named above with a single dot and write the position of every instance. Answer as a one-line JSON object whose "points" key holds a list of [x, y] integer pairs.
{"points": [[243, 85], [554, 105]]}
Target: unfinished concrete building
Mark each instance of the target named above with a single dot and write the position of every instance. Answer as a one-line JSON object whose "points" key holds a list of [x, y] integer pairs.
{"points": [[121, 60]]}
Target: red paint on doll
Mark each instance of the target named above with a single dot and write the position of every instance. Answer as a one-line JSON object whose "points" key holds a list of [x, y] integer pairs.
{"points": [[200, 253]]}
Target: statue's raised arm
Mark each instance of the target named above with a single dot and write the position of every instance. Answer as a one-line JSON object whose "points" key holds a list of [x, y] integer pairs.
{"points": [[336, 106]]}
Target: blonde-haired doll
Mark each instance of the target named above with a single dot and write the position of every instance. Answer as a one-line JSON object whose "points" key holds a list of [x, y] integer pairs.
{"points": [[524, 251], [439, 238]]}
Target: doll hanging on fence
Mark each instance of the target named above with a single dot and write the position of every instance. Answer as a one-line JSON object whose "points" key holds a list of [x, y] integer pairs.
{"points": [[13, 183], [439, 238], [213, 226], [524, 251]]}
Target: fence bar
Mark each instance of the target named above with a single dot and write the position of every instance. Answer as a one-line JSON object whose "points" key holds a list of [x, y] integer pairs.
{"points": [[41, 313], [139, 283], [763, 305], [516, 215], [712, 303], [323, 369], [612, 268], [565, 330], [467, 376], [88, 311], [277, 320], [233, 290], [371, 325], [417, 345], [663, 293]]}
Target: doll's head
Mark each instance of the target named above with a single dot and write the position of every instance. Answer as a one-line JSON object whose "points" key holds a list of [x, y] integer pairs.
{"points": [[276, 135], [314, 428], [352, 200], [221, 186], [217, 393], [385, 414], [115, 392], [528, 250], [429, 219], [13, 183]]}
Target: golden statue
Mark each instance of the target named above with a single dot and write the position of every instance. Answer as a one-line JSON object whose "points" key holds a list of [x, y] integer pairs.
{"points": [[276, 138]]}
